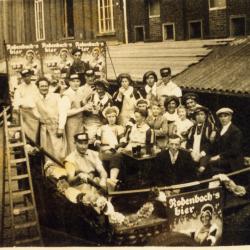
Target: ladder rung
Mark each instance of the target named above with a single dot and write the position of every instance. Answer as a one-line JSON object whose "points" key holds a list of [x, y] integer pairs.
{"points": [[25, 225], [19, 210], [21, 193], [15, 161], [19, 177], [18, 144], [19, 242], [14, 128]]}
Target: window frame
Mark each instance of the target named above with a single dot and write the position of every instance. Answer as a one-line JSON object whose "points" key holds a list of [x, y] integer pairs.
{"points": [[163, 31], [101, 13], [217, 8], [66, 22], [234, 17], [195, 21], [37, 21], [149, 14]]}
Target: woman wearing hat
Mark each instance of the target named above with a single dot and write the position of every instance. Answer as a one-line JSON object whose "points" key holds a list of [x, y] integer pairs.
{"points": [[125, 98], [31, 64], [64, 63], [190, 101], [148, 91], [208, 234], [171, 104], [96, 103], [200, 137]]}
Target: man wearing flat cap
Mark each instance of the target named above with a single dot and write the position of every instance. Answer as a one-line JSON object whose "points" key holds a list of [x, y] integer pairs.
{"points": [[24, 102], [227, 148], [84, 163], [166, 86], [78, 66]]}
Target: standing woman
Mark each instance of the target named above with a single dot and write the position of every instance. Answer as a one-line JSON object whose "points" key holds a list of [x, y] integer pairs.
{"points": [[125, 98], [72, 99], [171, 104]]}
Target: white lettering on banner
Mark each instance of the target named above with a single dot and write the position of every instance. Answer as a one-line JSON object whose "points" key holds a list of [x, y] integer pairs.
{"points": [[183, 211], [55, 45], [89, 44], [179, 203], [22, 46]]}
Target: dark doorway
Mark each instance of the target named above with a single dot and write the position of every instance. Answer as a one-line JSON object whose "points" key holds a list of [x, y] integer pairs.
{"points": [[139, 33], [168, 32], [195, 30], [238, 26]]}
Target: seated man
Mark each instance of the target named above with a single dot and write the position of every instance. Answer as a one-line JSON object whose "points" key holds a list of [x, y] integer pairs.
{"points": [[83, 164], [174, 165]]}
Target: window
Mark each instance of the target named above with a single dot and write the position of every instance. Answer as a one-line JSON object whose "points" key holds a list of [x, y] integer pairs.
{"points": [[139, 33], [217, 4], [195, 29], [168, 31], [237, 25], [68, 18], [105, 16], [154, 8], [39, 20]]}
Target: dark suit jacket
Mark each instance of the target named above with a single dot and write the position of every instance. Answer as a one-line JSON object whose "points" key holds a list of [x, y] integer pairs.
{"points": [[166, 173], [229, 147]]}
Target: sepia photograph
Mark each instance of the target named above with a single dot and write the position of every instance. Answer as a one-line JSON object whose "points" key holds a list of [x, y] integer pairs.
{"points": [[124, 123]]}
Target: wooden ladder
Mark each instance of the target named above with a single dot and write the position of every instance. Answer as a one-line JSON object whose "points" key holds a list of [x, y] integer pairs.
{"points": [[22, 216]]}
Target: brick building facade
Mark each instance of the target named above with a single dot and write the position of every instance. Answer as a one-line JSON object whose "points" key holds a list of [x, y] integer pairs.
{"points": [[188, 19], [147, 20]]}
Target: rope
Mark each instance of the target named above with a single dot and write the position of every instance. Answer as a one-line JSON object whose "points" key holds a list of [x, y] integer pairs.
{"points": [[178, 186], [113, 67]]}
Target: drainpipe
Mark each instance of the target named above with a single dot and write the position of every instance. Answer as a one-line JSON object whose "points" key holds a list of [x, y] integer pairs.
{"points": [[125, 20]]}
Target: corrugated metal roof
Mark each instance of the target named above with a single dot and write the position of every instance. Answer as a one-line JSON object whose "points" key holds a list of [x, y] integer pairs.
{"points": [[226, 69]]}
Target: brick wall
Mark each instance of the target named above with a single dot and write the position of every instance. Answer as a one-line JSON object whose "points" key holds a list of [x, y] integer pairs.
{"points": [[172, 11], [197, 10], [239, 7], [218, 23], [137, 14], [155, 30]]}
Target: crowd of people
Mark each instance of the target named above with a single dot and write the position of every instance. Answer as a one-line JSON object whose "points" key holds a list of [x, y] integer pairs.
{"points": [[90, 129]]}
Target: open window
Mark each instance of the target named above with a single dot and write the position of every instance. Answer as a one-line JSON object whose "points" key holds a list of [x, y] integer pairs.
{"points": [[195, 29], [168, 30], [237, 26]]}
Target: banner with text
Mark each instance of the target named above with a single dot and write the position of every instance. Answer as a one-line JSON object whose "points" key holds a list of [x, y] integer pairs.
{"points": [[20, 57], [197, 214]]}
